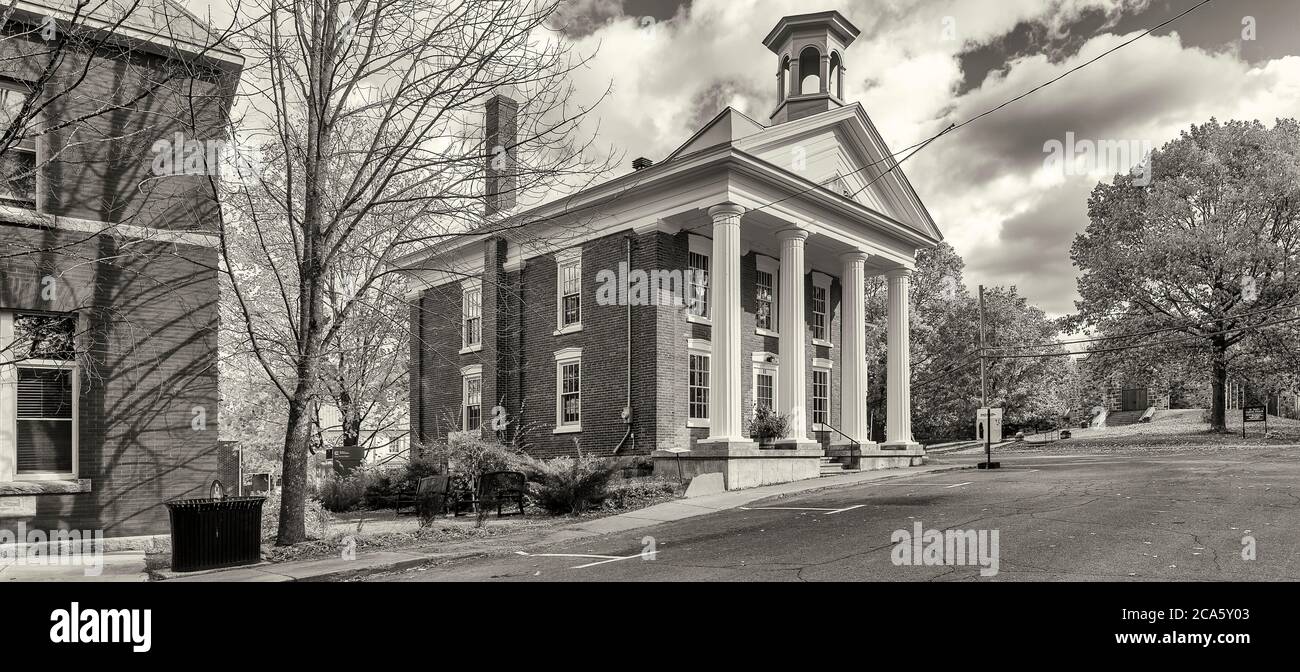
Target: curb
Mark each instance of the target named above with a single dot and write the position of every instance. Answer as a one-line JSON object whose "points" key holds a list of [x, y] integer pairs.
{"points": [[267, 574]]}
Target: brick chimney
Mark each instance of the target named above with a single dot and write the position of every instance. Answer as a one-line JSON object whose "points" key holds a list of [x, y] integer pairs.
{"points": [[500, 138]]}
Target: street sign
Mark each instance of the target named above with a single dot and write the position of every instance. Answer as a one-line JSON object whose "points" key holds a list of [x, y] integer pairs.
{"points": [[988, 425], [1253, 414]]}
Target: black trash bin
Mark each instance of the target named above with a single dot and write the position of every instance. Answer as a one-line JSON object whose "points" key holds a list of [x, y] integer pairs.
{"points": [[212, 533]]}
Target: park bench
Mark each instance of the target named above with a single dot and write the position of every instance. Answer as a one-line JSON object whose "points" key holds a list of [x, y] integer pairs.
{"points": [[497, 488], [435, 489]]}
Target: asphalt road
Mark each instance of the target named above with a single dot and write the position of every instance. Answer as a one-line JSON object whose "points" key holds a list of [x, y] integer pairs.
{"points": [[1183, 517]]}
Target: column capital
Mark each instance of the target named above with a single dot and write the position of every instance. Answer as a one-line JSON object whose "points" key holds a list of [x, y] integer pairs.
{"points": [[854, 256], [899, 273], [793, 233], [726, 210]]}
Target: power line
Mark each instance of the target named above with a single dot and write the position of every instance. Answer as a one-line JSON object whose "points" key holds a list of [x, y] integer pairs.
{"points": [[1049, 344]]}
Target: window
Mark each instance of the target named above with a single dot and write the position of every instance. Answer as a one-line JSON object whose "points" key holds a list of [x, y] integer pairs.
{"points": [[472, 316], [821, 400], [472, 400], [697, 384], [697, 261], [765, 295], [568, 390], [568, 290], [18, 164], [763, 390], [765, 372], [821, 290], [39, 385]]}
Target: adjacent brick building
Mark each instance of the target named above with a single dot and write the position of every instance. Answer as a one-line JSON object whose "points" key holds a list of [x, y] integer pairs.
{"points": [[108, 268], [533, 322]]}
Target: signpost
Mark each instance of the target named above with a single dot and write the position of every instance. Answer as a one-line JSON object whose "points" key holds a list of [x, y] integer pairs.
{"points": [[1253, 414], [988, 462], [678, 451]]}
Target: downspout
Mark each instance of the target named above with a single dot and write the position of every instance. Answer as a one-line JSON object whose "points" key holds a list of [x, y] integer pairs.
{"points": [[627, 410]]}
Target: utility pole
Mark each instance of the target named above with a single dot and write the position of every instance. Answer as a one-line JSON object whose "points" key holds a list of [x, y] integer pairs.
{"points": [[984, 396]]}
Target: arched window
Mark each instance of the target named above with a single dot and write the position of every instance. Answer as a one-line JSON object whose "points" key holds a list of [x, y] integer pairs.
{"points": [[836, 77], [810, 68], [785, 78]]}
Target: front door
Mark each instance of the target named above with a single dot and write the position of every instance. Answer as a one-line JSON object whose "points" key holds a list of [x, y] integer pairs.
{"points": [[1134, 399]]}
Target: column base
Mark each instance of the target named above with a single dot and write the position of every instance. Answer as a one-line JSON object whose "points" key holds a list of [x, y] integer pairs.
{"points": [[902, 448], [798, 444]]}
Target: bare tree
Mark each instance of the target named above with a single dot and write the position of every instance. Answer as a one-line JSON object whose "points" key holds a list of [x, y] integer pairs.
{"points": [[367, 113]]}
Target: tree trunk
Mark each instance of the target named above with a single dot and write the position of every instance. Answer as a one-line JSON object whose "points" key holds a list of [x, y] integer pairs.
{"points": [[293, 474], [1219, 406]]}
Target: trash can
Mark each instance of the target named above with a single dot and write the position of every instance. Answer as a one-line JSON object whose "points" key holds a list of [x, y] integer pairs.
{"points": [[213, 533]]}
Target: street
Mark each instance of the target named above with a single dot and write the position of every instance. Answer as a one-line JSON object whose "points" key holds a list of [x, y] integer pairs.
{"points": [[1189, 516]]}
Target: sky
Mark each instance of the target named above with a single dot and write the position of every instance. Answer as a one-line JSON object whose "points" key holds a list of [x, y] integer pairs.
{"points": [[920, 65]]}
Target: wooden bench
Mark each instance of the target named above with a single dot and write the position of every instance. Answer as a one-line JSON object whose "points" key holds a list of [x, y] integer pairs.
{"points": [[434, 489], [499, 488]]}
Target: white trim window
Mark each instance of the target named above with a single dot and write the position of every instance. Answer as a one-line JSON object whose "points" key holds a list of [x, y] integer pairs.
{"points": [[698, 355], [697, 265], [764, 380], [821, 398], [471, 395], [471, 311], [765, 303], [568, 390], [40, 384], [18, 165], [820, 303], [568, 291]]}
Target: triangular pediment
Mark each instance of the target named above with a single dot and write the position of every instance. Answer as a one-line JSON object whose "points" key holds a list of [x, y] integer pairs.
{"points": [[841, 150]]}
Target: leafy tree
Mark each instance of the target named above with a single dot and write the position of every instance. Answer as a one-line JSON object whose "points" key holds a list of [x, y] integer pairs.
{"points": [[945, 352], [1200, 264]]}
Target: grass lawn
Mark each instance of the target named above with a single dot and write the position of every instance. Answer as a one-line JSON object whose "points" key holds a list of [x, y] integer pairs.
{"points": [[1172, 429]]}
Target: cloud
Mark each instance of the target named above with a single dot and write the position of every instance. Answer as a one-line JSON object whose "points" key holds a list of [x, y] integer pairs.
{"points": [[986, 185]]}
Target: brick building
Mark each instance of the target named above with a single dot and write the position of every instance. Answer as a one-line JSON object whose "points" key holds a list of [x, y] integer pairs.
{"points": [[658, 310], [108, 267]]}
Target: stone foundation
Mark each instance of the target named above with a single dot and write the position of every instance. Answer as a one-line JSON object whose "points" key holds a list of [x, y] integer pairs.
{"points": [[742, 464]]}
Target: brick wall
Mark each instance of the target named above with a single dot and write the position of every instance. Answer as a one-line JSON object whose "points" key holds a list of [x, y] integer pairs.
{"points": [[149, 321], [519, 362]]}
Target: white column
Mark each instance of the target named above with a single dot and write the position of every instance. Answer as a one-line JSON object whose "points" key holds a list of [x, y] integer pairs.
{"points": [[898, 421], [791, 380], [853, 379], [725, 391]]}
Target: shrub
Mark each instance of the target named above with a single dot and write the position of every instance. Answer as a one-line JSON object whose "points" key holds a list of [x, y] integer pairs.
{"points": [[639, 492], [570, 485], [381, 489], [339, 494], [470, 456], [768, 424]]}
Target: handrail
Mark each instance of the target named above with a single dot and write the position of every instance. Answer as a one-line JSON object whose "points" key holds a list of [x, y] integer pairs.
{"points": [[852, 440]]}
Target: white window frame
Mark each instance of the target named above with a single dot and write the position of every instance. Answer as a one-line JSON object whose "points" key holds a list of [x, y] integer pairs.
{"points": [[820, 366], [9, 406], [468, 288], [565, 259], [823, 282], [764, 363], [699, 348], [468, 373], [26, 145], [563, 358], [703, 247], [772, 267]]}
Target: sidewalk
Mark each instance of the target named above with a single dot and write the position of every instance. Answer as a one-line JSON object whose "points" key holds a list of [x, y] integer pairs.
{"points": [[333, 569]]}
